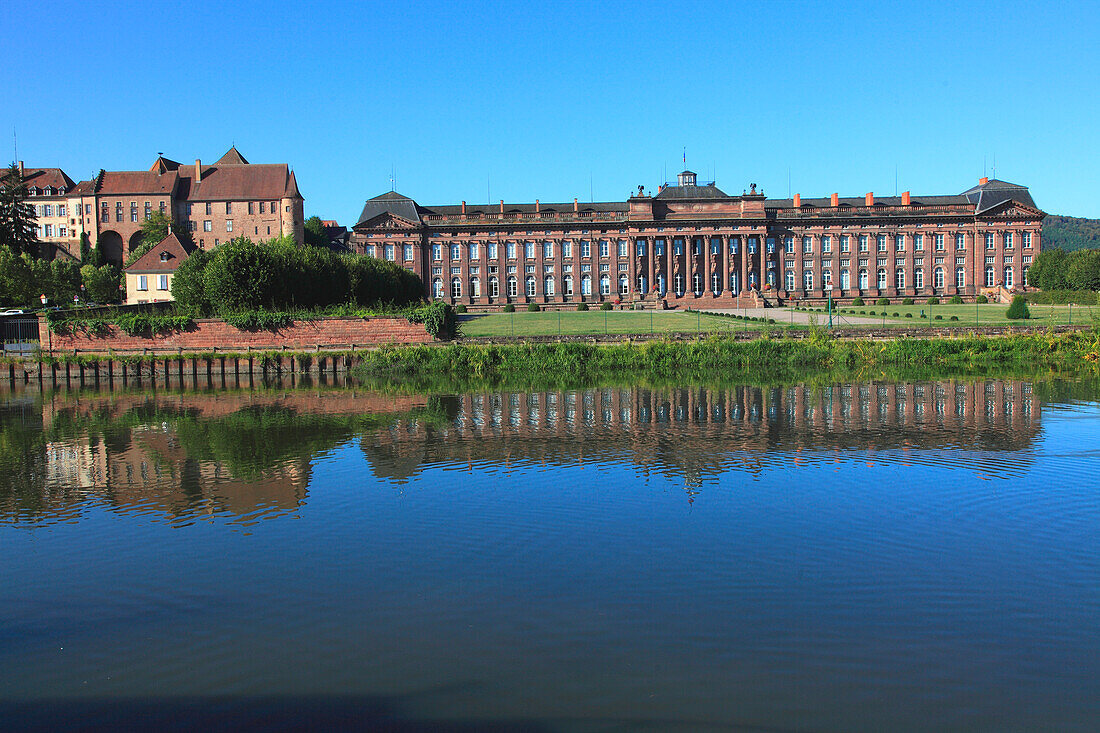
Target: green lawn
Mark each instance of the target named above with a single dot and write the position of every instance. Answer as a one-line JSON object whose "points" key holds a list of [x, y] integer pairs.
{"points": [[989, 314], [549, 323]]}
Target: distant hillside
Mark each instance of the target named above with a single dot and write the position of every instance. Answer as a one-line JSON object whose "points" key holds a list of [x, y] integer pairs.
{"points": [[1071, 233]]}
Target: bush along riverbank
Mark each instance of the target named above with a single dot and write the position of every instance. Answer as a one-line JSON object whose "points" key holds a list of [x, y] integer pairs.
{"points": [[721, 359]]}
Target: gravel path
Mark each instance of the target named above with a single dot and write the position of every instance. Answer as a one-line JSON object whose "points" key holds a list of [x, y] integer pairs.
{"points": [[789, 315]]}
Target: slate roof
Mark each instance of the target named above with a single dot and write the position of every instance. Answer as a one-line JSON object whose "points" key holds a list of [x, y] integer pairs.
{"points": [[985, 196], [860, 201], [151, 262], [597, 206], [392, 203], [707, 191]]}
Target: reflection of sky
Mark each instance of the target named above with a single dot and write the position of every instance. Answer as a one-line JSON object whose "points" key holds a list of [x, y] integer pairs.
{"points": [[818, 589]]}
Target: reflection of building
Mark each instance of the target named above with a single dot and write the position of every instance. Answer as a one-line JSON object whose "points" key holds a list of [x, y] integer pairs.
{"points": [[693, 242], [687, 432]]}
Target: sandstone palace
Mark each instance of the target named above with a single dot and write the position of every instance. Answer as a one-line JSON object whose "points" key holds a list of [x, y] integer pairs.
{"points": [[693, 244]]}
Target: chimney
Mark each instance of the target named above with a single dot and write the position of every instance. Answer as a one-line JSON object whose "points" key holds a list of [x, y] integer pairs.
{"points": [[574, 204], [502, 206], [464, 208], [904, 198], [198, 170], [797, 200], [834, 200], [983, 180], [537, 209], [21, 170], [869, 199]]}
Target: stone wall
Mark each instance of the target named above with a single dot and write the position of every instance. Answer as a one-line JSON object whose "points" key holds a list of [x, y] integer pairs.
{"points": [[209, 335]]}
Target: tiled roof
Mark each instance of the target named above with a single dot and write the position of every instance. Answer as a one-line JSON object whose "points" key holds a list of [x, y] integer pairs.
{"points": [[42, 177], [232, 157], [136, 182], [152, 262], [262, 181]]}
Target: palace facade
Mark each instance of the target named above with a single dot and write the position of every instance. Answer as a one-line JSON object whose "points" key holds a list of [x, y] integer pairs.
{"points": [[693, 244]]}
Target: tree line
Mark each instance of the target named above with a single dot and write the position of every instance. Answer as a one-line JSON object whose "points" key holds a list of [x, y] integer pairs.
{"points": [[1056, 269]]}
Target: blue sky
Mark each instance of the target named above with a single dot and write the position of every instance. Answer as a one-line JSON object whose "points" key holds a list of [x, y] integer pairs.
{"points": [[558, 100]]}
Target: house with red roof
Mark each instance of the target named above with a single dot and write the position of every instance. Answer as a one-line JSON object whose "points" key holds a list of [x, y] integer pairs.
{"points": [[149, 279]]}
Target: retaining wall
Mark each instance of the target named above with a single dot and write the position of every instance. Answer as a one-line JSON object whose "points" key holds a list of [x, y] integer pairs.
{"points": [[213, 335]]}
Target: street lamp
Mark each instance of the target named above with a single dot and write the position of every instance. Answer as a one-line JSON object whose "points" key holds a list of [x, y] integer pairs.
{"points": [[44, 299]]}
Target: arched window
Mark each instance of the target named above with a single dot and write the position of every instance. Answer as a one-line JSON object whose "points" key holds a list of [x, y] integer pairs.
{"points": [[494, 287], [882, 278], [605, 285], [697, 283], [771, 276], [863, 283], [827, 280], [530, 286], [960, 277], [437, 288], [989, 276], [513, 286], [475, 288], [808, 280], [735, 283], [662, 285], [789, 277], [567, 285], [586, 285], [678, 284], [715, 283], [845, 280], [918, 278], [937, 278], [1026, 283], [754, 280], [899, 279], [456, 288], [642, 285], [624, 285], [1008, 277], [548, 286]]}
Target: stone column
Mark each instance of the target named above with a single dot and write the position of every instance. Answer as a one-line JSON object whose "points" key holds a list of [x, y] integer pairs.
{"points": [[743, 261]]}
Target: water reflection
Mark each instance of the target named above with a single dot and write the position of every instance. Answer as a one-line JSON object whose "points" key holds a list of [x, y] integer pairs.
{"points": [[248, 455]]}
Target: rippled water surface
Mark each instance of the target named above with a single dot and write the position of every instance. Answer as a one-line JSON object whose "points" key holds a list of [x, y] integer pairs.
{"points": [[863, 556]]}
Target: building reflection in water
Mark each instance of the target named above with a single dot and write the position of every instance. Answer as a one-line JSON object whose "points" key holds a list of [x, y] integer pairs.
{"points": [[143, 454]]}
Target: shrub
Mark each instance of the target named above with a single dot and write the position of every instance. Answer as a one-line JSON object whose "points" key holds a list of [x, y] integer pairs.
{"points": [[895, 314], [908, 315], [582, 306], [863, 312], [939, 317], [533, 308], [955, 300], [954, 318], [510, 308], [857, 301], [870, 313], [1018, 309], [882, 301], [907, 301], [981, 299], [606, 306], [933, 300], [460, 308]]}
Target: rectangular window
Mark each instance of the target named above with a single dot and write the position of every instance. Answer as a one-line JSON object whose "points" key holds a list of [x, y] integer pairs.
{"points": [[273, 207], [207, 225], [208, 208], [547, 250], [492, 250], [586, 248], [960, 241], [229, 207], [826, 244], [918, 242], [148, 210], [389, 252], [845, 244], [622, 248], [989, 240], [863, 243], [437, 252], [640, 247], [807, 245], [788, 246], [604, 248], [510, 250], [162, 207], [162, 282], [262, 207], [1008, 240], [228, 225], [250, 208], [899, 243], [456, 252], [62, 232], [1027, 239], [882, 243], [771, 245], [143, 282], [659, 247], [408, 253], [529, 250], [61, 209], [48, 229]]}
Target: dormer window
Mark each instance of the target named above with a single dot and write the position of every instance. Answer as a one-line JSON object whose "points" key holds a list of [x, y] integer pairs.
{"points": [[164, 256], [687, 178]]}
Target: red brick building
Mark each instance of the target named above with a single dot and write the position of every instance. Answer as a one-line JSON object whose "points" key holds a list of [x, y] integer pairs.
{"points": [[217, 202], [694, 244]]}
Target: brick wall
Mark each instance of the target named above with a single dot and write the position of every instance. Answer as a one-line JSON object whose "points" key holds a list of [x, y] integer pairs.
{"points": [[211, 334]]}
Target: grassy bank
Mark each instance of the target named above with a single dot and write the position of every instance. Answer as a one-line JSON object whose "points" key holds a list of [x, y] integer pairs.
{"points": [[573, 323], [716, 359]]}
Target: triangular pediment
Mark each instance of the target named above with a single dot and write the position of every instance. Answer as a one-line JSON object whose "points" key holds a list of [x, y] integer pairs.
{"points": [[1012, 207], [387, 220]]}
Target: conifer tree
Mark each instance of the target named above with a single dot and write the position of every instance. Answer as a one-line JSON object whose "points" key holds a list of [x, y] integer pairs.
{"points": [[18, 221]]}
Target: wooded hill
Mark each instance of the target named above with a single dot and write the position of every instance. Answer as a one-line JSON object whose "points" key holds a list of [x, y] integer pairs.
{"points": [[1071, 233]]}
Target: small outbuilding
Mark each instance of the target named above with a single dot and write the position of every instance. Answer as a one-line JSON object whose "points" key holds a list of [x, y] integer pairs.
{"points": [[149, 279]]}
